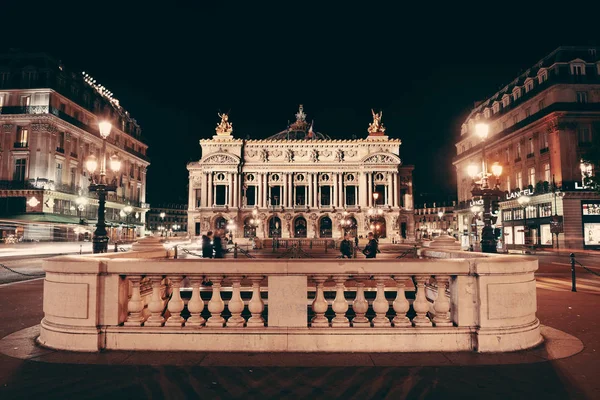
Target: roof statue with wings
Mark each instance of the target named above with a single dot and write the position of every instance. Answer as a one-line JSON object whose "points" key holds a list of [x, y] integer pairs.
{"points": [[224, 127], [376, 127]]}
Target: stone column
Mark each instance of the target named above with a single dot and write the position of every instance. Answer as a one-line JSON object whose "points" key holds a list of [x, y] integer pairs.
{"points": [[259, 189], [363, 190], [204, 190], [309, 195], [369, 189], [390, 190], [210, 201], [396, 189], [235, 190], [191, 195], [334, 195], [290, 190]]}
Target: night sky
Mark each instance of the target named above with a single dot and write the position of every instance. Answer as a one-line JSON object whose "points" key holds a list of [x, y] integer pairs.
{"points": [[175, 66]]}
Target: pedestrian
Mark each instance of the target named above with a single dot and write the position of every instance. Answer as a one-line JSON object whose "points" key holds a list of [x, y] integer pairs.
{"points": [[218, 245], [371, 250], [207, 247], [346, 247]]}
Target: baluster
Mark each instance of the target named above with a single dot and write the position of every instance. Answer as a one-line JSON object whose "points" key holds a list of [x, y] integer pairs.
{"points": [[256, 305], [156, 305], [175, 306], [135, 305], [401, 305], [381, 305], [360, 306], [216, 305], [195, 305], [319, 304], [421, 305], [340, 304], [441, 305], [236, 305]]}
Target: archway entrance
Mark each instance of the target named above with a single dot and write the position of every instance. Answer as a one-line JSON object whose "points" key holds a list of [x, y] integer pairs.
{"points": [[220, 223], [300, 227], [274, 227], [378, 227], [325, 228], [249, 228]]}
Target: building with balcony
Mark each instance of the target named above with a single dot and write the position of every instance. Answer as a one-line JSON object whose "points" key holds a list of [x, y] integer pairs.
{"points": [[168, 219], [435, 219], [541, 125], [48, 126], [300, 183]]}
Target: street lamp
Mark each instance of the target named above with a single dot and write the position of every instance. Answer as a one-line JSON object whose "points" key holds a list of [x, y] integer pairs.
{"points": [[81, 203], [524, 201], [440, 215], [162, 219], [100, 185], [482, 188]]}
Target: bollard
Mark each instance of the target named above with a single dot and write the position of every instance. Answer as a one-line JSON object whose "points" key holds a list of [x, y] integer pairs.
{"points": [[574, 285], [175, 252], [116, 250], [80, 248], [235, 250]]}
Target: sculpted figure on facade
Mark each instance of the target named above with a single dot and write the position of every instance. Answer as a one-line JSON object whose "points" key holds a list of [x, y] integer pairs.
{"points": [[224, 127], [264, 156], [339, 155], [314, 155], [376, 126], [289, 155]]}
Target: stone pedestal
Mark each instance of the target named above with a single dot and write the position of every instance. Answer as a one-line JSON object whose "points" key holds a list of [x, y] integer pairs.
{"points": [[445, 242]]}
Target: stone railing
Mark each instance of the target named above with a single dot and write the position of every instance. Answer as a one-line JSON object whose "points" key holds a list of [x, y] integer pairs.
{"points": [[97, 303]]}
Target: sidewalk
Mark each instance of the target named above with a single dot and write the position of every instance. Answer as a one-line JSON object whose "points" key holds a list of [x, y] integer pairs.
{"points": [[49, 248], [537, 373]]}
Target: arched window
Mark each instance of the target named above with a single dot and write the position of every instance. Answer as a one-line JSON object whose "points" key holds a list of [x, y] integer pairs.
{"points": [[300, 227], [325, 226]]}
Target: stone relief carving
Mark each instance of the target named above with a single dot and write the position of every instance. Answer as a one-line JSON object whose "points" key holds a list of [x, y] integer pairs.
{"points": [[264, 156], [339, 155], [405, 180], [289, 154], [380, 158], [326, 153], [288, 216], [220, 159], [313, 216], [350, 153], [251, 153], [314, 155], [301, 153], [276, 153], [8, 127]]}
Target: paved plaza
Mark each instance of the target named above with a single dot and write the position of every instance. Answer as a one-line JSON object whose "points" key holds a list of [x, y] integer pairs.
{"points": [[564, 367]]}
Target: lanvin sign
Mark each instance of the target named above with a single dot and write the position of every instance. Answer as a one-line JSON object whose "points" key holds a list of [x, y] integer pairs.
{"points": [[516, 195]]}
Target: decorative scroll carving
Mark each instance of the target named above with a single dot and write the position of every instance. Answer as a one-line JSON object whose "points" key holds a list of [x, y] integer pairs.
{"points": [[313, 216], [8, 127], [275, 153], [326, 153], [351, 153], [220, 159]]}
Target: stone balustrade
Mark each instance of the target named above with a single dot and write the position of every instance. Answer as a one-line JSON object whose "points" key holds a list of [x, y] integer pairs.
{"points": [[94, 303]]}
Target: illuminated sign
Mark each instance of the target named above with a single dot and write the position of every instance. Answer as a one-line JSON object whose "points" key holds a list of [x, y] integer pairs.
{"points": [[516, 195], [591, 209], [476, 202]]}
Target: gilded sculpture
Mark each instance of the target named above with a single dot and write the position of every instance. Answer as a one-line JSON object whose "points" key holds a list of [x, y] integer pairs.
{"points": [[224, 127], [376, 127]]}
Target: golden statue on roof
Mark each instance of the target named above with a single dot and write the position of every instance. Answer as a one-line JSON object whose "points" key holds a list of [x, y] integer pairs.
{"points": [[224, 127], [376, 127]]}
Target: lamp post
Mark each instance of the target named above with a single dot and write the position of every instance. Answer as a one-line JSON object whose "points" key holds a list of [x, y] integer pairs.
{"points": [[440, 215], [482, 188], [101, 186], [162, 221], [524, 201], [81, 203]]}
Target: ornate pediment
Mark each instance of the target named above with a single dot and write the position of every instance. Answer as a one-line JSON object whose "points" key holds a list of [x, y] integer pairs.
{"points": [[382, 158], [221, 158]]}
